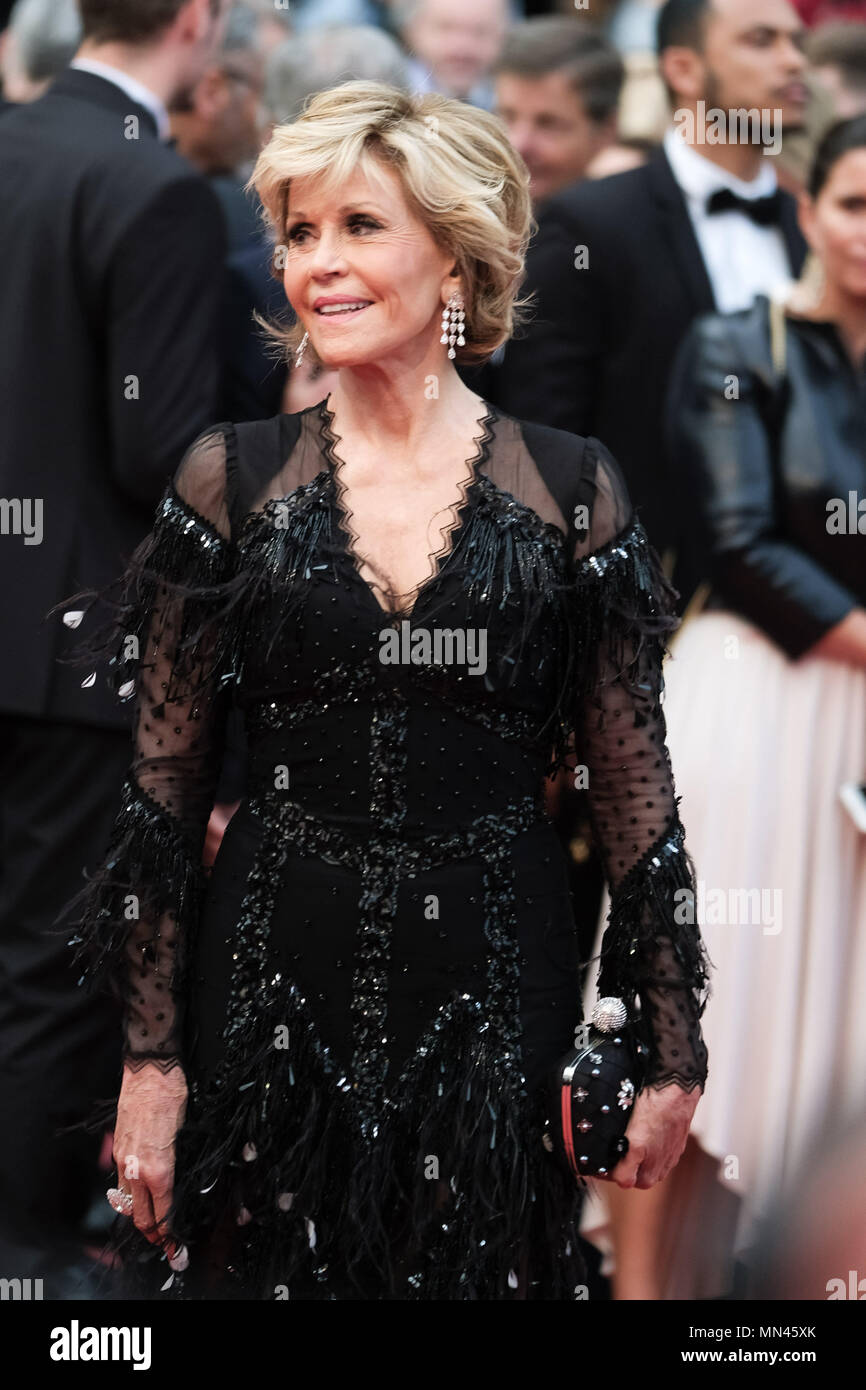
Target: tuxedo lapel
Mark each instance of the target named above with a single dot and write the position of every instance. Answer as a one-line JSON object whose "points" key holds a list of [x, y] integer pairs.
{"points": [[678, 233], [795, 242], [678, 228]]}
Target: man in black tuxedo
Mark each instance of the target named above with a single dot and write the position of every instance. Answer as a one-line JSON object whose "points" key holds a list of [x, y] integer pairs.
{"points": [[622, 265], [112, 251]]}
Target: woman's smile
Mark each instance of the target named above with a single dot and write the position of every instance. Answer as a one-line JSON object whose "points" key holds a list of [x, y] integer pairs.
{"points": [[340, 309]]}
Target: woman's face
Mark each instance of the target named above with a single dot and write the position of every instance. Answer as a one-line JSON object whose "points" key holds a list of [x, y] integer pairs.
{"points": [[362, 245], [835, 224]]}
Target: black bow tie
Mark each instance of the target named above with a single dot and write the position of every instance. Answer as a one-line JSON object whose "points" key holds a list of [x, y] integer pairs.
{"points": [[764, 211]]}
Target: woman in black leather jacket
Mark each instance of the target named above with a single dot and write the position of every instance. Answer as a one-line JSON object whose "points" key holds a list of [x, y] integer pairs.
{"points": [[766, 714]]}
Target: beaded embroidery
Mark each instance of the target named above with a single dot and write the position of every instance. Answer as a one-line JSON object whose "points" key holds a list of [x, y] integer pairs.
{"points": [[583, 630]]}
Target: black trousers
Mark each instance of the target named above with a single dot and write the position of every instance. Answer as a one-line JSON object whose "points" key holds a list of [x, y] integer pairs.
{"points": [[60, 1045]]}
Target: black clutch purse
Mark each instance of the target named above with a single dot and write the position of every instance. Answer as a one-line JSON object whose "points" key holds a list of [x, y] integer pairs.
{"points": [[592, 1091]]}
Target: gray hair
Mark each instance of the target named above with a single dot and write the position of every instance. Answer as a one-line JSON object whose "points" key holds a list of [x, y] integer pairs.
{"points": [[242, 27], [46, 35], [317, 59], [404, 12]]}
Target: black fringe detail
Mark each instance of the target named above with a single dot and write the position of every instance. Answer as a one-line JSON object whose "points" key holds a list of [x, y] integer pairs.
{"points": [[148, 856], [279, 550], [183, 564], [625, 613], [362, 1221], [514, 567], [642, 916]]}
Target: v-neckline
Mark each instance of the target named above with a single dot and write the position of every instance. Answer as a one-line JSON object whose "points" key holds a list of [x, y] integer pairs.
{"points": [[460, 509]]}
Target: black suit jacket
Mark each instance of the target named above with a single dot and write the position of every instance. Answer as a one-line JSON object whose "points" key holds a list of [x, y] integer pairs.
{"points": [[112, 250], [597, 356]]}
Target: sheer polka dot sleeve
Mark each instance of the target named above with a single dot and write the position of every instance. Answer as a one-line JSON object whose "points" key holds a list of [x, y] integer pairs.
{"points": [[168, 648], [652, 954]]}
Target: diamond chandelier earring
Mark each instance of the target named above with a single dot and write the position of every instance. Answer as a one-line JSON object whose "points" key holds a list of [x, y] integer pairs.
{"points": [[299, 351], [453, 321]]}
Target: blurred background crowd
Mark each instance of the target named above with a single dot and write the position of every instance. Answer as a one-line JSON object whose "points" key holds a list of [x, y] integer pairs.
{"points": [[700, 307]]}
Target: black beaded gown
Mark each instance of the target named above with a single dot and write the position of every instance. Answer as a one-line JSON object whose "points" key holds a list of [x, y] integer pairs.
{"points": [[369, 988]]}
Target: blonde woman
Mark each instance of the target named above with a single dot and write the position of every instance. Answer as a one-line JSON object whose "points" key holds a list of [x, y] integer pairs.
{"points": [[337, 1045]]}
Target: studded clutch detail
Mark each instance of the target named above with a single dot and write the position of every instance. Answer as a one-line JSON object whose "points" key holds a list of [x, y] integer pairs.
{"points": [[592, 1091]]}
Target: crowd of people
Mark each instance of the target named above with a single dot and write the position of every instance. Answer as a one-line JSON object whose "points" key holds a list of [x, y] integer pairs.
{"points": [[696, 292]]}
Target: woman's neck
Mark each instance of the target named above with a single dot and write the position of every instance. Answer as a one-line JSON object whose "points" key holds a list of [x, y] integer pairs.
{"points": [[399, 413]]}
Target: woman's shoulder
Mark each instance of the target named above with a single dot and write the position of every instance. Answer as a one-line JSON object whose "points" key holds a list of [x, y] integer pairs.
{"points": [[221, 446], [200, 479], [574, 466], [584, 479], [225, 463], [555, 448]]}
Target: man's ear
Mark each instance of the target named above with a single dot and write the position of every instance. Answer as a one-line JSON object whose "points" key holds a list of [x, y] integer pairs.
{"points": [[684, 71], [193, 21]]}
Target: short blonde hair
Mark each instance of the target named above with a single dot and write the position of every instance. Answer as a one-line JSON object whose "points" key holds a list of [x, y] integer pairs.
{"points": [[459, 174]]}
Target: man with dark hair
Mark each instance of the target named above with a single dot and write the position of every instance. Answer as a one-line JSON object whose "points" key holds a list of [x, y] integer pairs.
{"points": [[622, 265], [681, 23], [112, 249], [557, 85], [134, 22]]}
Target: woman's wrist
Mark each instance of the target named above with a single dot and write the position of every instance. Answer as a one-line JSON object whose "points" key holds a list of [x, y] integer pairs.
{"points": [[845, 640], [135, 1062], [146, 1079]]}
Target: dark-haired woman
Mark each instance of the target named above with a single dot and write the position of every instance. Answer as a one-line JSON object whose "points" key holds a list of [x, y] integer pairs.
{"points": [[766, 710]]}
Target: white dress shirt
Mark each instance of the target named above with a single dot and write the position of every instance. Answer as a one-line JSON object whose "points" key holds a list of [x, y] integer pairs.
{"points": [[742, 258], [135, 90]]}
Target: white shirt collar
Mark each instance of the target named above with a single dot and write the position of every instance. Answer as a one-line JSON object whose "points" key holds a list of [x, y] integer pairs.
{"points": [[135, 90], [698, 176]]}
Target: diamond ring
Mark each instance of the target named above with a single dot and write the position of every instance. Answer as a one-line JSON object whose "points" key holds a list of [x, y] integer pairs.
{"points": [[121, 1201]]}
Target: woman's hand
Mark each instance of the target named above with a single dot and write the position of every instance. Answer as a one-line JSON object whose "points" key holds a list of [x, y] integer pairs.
{"points": [[844, 641], [150, 1111], [657, 1134]]}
